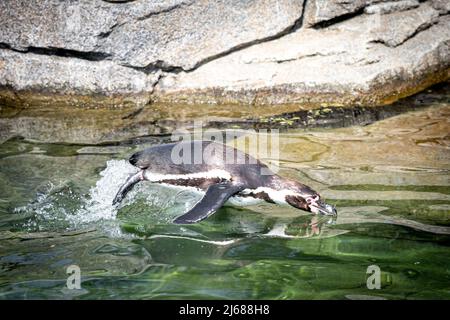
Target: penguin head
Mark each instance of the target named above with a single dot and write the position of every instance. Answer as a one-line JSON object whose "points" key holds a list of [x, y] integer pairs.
{"points": [[305, 198]]}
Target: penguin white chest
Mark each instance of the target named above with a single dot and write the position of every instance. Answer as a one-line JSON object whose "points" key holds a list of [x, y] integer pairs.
{"points": [[211, 174]]}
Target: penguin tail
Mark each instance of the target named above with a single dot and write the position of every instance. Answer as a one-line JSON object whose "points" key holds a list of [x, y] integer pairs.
{"points": [[127, 186]]}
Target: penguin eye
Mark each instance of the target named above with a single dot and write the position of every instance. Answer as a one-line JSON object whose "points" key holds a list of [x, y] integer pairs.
{"points": [[313, 198]]}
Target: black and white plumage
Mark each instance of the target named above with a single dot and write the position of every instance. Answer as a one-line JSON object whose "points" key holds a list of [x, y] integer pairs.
{"points": [[222, 172]]}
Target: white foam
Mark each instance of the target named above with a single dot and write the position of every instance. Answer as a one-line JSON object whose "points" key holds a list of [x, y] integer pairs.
{"points": [[99, 206]]}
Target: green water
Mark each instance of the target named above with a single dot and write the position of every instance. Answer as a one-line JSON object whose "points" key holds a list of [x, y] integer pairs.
{"points": [[389, 180]]}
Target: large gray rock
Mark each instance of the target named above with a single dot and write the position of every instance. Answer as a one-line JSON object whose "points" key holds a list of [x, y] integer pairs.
{"points": [[193, 33], [168, 33], [389, 7], [320, 11], [51, 75], [359, 61], [216, 51], [395, 28], [443, 6]]}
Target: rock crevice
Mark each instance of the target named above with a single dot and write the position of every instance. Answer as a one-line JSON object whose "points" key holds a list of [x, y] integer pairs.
{"points": [[60, 52]]}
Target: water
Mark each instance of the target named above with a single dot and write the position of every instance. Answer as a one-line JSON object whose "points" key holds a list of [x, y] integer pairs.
{"points": [[389, 182]]}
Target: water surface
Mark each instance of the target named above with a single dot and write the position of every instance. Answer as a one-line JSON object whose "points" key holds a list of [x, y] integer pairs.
{"points": [[389, 180]]}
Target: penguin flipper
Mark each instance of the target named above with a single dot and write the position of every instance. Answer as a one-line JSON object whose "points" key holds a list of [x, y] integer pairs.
{"points": [[127, 186], [216, 195]]}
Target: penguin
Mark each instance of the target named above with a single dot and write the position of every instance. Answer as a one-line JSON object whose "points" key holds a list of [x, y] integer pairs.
{"points": [[221, 172]]}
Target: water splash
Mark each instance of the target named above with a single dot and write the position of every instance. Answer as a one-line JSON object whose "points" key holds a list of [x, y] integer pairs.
{"points": [[98, 205], [65, 206]]}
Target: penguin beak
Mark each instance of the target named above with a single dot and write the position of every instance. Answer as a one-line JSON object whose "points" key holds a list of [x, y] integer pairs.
{"points": [[311, 203], [323, 208]]}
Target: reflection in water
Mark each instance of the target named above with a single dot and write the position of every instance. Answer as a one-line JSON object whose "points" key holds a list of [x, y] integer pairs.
{"points": [[389, 181], [313, 227]]}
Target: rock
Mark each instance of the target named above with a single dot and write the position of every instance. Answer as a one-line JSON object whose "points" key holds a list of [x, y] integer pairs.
{"points": [[169, 33], [359, 61], [117, 52], [443, 6], [191, 34], [389, 7], [396, 28], [52, 75], [69, 25], [320, 11]]}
